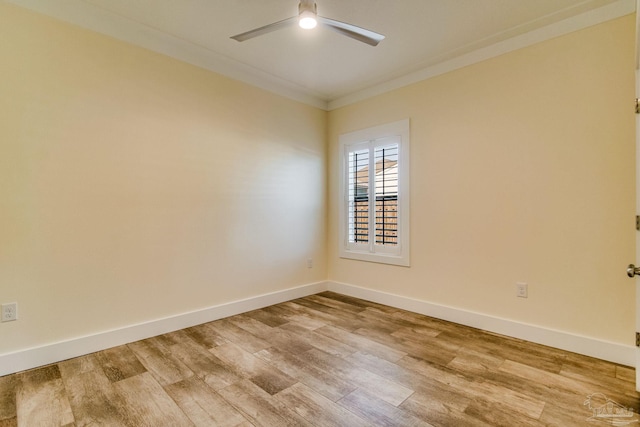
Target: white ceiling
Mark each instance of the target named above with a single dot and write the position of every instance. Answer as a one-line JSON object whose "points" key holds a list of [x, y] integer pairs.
{"points": [[321, 67]]}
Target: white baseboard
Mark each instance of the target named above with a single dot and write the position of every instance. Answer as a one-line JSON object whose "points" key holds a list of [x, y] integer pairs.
{"points": [[51, 353], [613, 352]]}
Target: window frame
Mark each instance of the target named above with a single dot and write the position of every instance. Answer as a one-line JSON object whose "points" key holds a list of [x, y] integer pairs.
{"points": [[369, 139]]}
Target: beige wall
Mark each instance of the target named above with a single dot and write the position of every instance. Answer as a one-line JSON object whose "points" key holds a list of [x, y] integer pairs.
{"points": [[134, 186], [522, 170]]}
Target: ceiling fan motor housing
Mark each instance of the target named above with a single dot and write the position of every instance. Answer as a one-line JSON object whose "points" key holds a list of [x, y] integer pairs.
{"points": [[307, 5]]}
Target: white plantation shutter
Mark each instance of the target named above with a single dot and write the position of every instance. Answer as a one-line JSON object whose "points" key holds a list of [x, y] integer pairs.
{"points": [[386, 194], [358, 190], [374, 219]]}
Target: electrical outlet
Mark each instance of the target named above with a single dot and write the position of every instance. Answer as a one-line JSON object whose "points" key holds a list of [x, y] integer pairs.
{"points": [[9, 312], [522, 290], [309, 263]]}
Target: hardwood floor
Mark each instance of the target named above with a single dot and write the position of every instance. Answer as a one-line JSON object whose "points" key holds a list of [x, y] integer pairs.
{"points": [[322, 360]]}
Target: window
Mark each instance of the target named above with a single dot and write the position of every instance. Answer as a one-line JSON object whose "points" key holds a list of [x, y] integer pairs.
{"points": [[374, 194]]}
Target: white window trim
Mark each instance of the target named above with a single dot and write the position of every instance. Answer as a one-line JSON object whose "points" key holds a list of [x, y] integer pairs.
{"points": [[400, 254]]}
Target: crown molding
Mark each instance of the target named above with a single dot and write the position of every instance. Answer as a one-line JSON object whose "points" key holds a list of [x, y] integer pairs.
{"points": [[91, 17], [587, 19]]}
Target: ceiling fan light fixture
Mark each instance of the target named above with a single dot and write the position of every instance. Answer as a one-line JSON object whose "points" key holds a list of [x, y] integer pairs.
{"points": [[307, 20], [307, 14]]}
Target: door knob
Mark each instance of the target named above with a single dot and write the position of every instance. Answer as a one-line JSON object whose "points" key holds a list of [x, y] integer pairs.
{"points": [[632, 270]]}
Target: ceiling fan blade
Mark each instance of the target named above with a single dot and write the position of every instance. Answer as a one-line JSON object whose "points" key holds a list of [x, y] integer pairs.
{"points": [[366, 36], [266, 29]]}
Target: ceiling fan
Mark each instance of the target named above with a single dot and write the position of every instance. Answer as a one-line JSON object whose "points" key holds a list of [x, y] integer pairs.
{"points": [[308, 18]]}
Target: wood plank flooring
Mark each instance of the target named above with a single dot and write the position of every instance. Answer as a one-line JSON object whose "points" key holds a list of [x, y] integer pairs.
{"points": [[322, 360]]}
